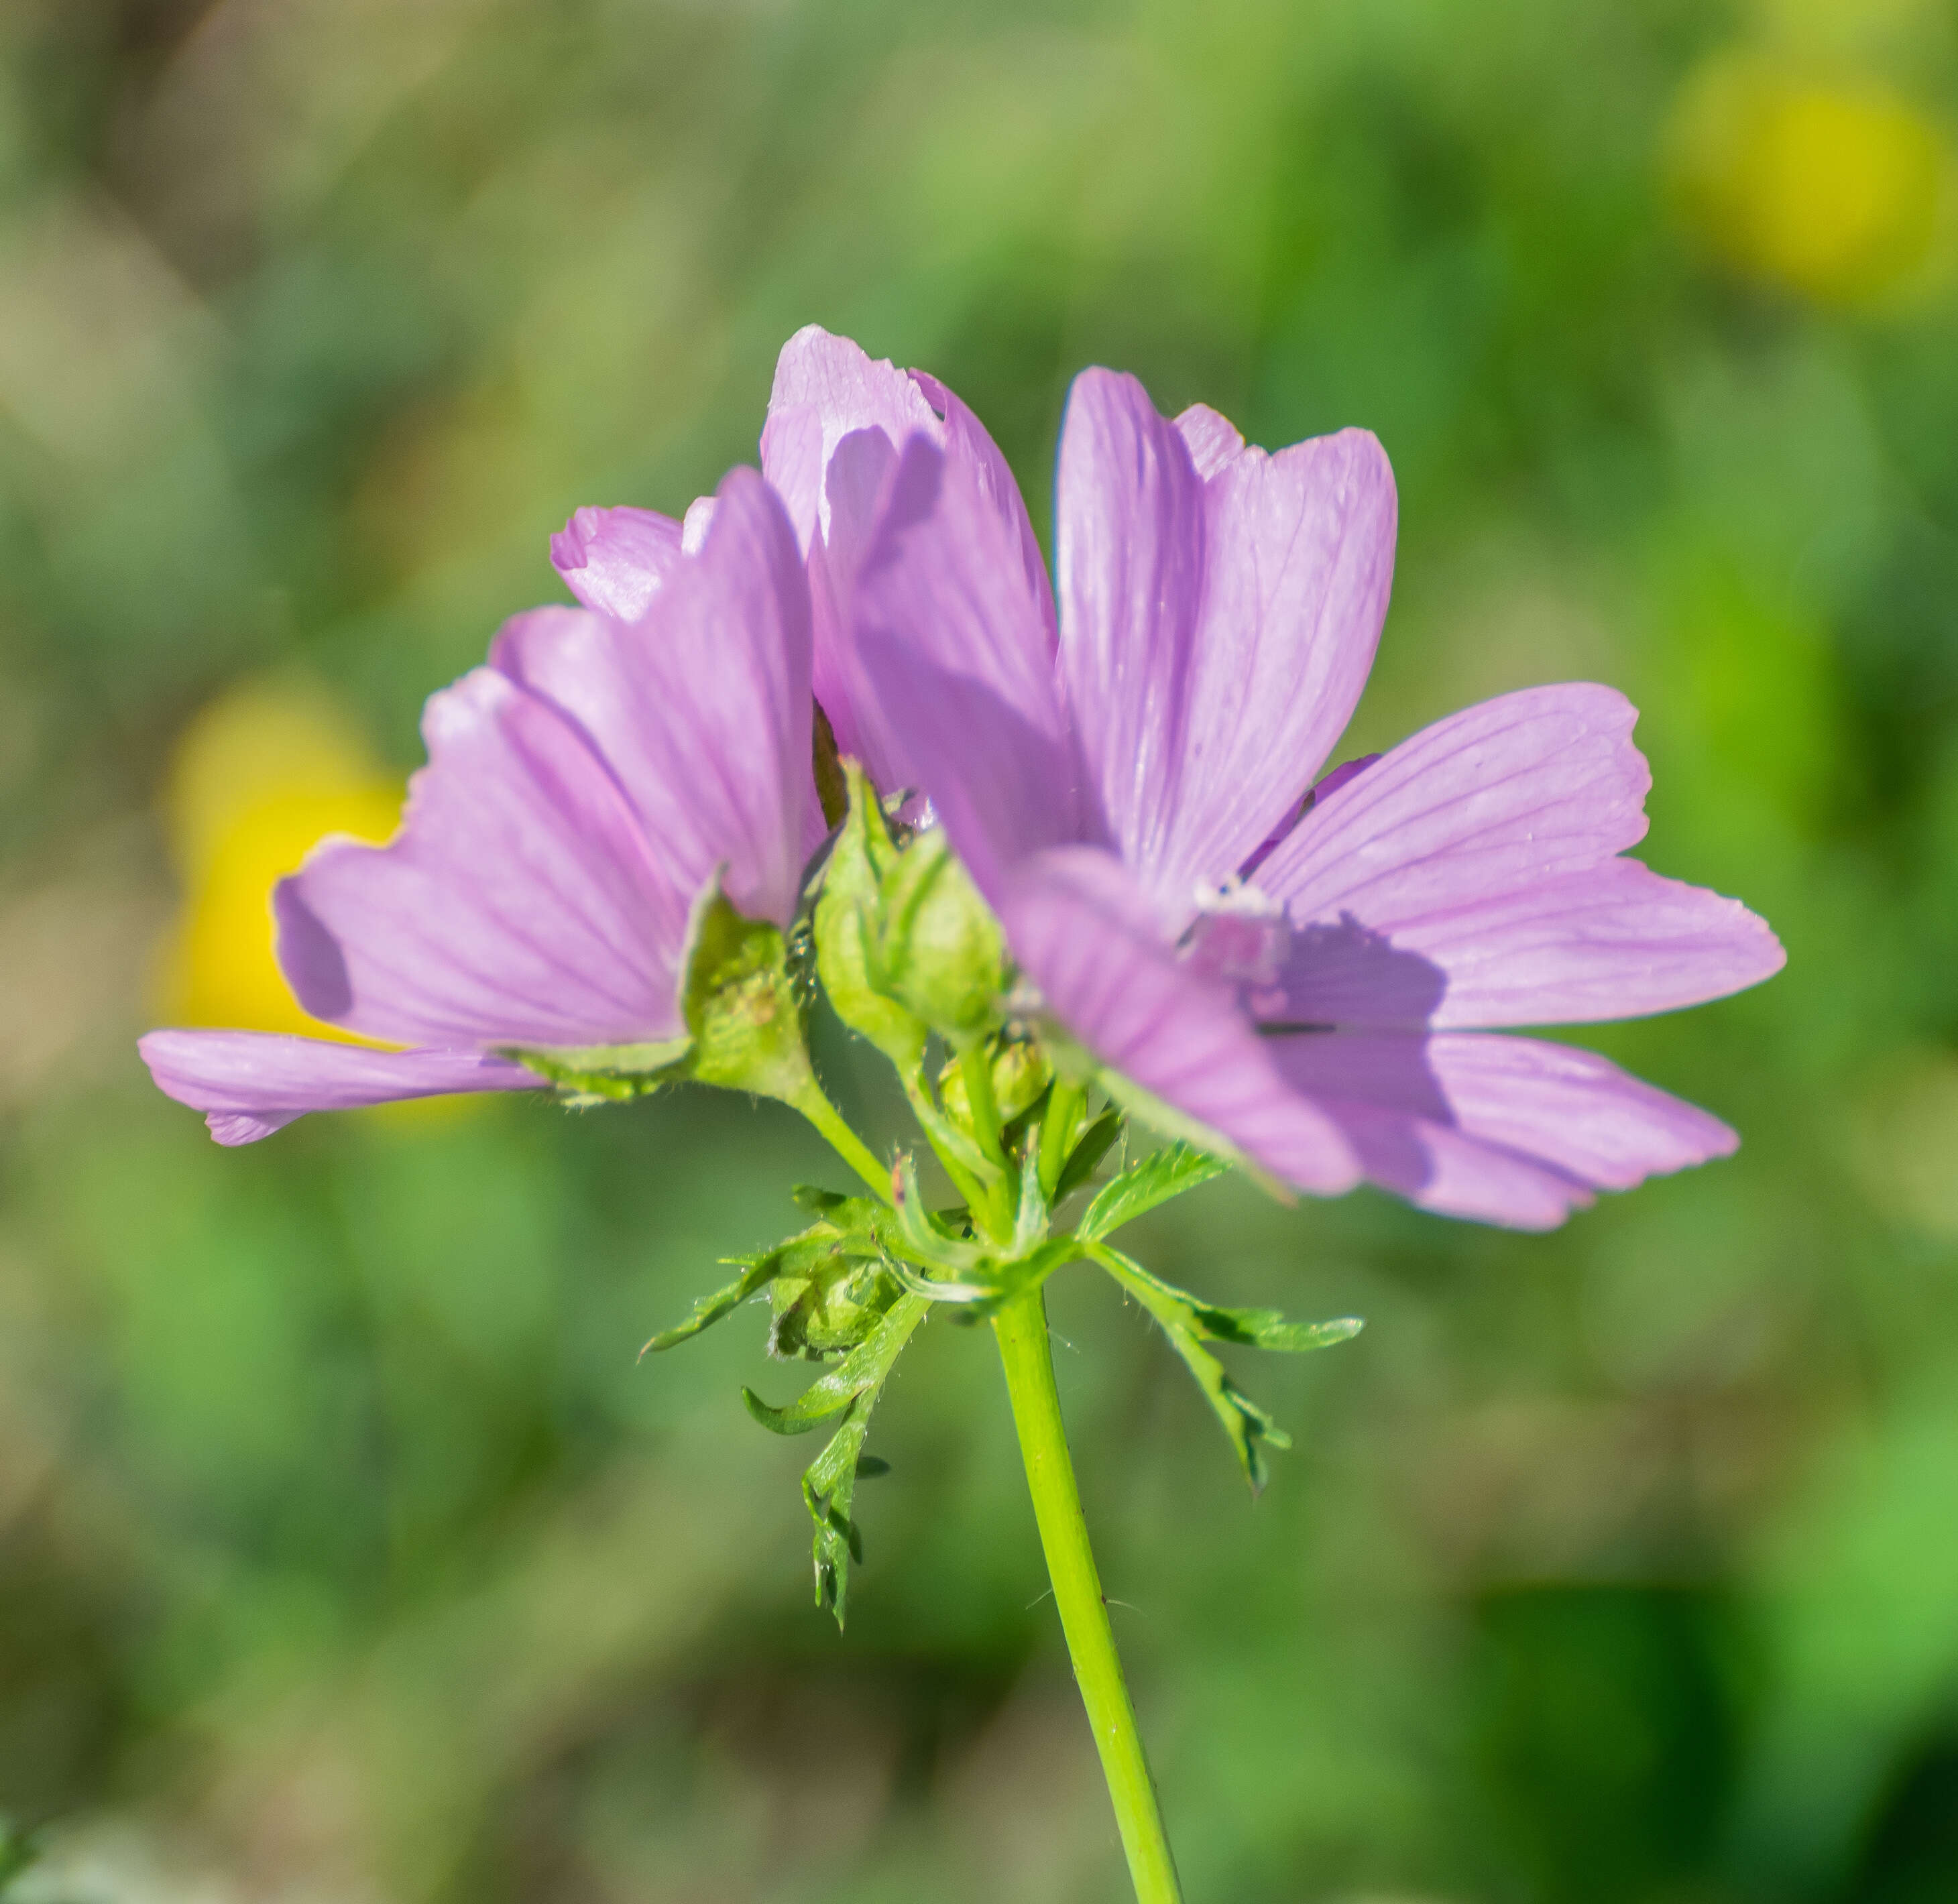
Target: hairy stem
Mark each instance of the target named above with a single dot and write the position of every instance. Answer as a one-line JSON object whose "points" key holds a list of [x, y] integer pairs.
{"points": [[1020, 1328], [817, 1108]]}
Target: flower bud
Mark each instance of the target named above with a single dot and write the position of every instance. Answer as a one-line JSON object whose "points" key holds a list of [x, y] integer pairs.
{"points": [[942, 952]]}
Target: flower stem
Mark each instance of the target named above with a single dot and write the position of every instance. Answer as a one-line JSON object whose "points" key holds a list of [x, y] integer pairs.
{"points": [[1021, 1327], [817, 1108]]}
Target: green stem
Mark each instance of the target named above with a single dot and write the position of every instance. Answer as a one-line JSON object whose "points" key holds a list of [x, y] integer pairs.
{"points": [[946, 1143], [1058, 1130], [1021, 1327], [817, 1108], [975, 1067]]}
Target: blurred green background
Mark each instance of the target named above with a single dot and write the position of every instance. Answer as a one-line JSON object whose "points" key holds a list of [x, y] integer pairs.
{"points": [[346, 1556]]}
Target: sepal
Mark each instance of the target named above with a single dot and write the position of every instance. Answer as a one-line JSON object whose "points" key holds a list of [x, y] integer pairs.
{"points": [[743, 1018], [942, 952], [848, 927]]}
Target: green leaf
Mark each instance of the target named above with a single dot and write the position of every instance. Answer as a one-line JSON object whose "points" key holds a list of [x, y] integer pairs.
{"points": [[756, 1271], [847, 926], [1161, 1175], [1189, 1323], [831, 1393], [828, 1285], [829, 1482], [1094, 1144]]}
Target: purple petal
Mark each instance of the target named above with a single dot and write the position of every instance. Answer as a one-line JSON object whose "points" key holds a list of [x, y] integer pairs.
{"points": [[1615, 942], [249, 1084], [957, 658], [826, 389], [1086, 937], [616, 560], [1505, 1130], [581, 793], [520, 904], [1516, 790], [1213, 440], [701, 709], [1217, 632], [1467, 879], [836, 423], [1129, 562]]}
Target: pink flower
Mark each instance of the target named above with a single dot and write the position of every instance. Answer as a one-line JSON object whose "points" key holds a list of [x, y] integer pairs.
{"points": [[582, 793], [1313, 981]]}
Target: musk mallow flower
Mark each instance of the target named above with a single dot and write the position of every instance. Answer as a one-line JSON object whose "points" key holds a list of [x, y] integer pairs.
{"points": [[1313, 975], [609, 770]]}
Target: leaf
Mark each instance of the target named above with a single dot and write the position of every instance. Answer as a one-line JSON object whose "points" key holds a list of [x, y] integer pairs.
{"points": [[829, 1483], [831, 1393], [1189, 1323], [1094, 1144], [709, 1309], [1165, 1118], [801, 1268], [1161, 1175]]}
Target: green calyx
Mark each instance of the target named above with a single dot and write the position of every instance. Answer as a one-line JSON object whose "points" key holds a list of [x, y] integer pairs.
{"points": [[743, 1019], [943, 953], [849, 929], [905, 946]]}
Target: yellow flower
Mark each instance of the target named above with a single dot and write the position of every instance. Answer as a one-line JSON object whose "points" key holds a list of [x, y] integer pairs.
{"points": [[257, 779], [1836, 189]]}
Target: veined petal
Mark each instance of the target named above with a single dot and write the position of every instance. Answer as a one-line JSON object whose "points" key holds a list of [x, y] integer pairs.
{"points": [[1128, 561], [701, 708], [958, 660], [1213, 440], [249, 1084], [519, 904], [838, 422], [1615, 941], [1523, 788], [1469, 878], [1086, 937], [1217, 625], [826, 388], [1513, 1131], [616, 560]]}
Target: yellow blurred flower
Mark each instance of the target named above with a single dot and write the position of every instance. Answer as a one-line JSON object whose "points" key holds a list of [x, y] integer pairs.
{"points": [[1840, 190], [257, 778]]}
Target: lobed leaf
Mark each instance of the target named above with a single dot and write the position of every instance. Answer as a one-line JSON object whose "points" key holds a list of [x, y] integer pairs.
{"points": [[1189, 1322], [1161, 1176]]}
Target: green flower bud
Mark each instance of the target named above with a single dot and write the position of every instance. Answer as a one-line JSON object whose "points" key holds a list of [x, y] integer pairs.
{"points": [[1020, 1072], [942, 953]]}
